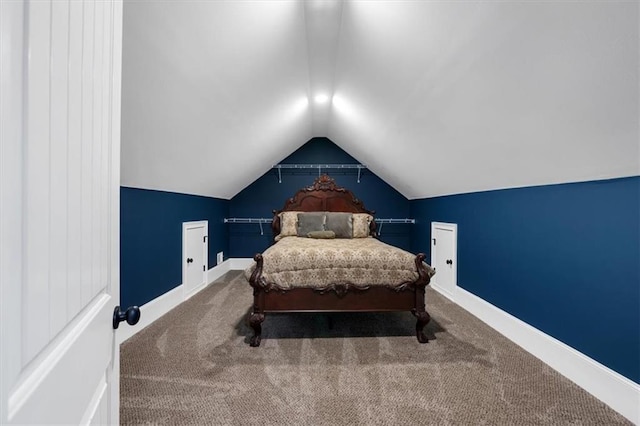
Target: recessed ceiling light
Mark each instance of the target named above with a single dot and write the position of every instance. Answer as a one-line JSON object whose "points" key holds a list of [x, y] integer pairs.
{"points": [[321, 99]]}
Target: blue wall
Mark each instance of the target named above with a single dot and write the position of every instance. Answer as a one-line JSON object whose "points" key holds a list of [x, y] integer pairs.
{"points": [[563, 258], [265, 195], [151, 239]]}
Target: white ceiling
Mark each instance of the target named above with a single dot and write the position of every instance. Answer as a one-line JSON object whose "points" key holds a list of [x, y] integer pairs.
{"points": [[436, 97]]}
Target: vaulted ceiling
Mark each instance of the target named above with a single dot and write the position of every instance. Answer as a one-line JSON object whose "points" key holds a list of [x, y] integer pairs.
{"points": [[435, 97]]}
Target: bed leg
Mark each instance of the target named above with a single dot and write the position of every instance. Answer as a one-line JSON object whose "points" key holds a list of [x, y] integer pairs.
{"points": [[423, 318], [255, 321]]}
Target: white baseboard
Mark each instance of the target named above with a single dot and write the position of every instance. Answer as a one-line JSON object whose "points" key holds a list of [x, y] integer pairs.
{"points": [[615, 390], [151, 311], [154, 309], [241, 263]]}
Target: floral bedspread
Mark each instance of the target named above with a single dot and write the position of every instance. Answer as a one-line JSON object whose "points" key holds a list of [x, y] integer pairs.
{"points": [[306, 262]]}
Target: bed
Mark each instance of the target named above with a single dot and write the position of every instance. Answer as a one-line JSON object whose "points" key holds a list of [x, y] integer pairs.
{"points": [[309, 270]]}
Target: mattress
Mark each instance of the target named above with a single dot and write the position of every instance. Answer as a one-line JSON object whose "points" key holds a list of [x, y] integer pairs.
{"points": [[298, 262]]}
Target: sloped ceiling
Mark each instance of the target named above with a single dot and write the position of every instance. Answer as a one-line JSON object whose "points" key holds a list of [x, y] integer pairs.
{"points": [[435, 97]]}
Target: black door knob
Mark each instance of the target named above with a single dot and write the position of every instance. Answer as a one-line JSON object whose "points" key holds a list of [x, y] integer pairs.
{"points": [[131, 315], [189, 260], [449, 262]]}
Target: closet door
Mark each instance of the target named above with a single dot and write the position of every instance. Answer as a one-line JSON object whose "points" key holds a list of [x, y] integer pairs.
{"points": [[194, 256], [444, 257]]}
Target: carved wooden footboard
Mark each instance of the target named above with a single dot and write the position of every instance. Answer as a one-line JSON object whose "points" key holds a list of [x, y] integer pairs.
{"points": [[324, 195], [338, 298]]}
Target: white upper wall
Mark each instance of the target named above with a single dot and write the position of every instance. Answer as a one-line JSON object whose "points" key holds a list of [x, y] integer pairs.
{"points": [[435, 97], [213, 93], [451, 97]]}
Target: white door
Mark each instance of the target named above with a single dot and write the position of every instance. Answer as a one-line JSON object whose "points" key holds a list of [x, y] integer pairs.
{"points": [[60, 74], [444, 257], [194, 254]]}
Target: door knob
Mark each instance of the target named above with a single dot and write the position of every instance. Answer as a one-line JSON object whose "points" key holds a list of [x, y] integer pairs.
{"points": [[449, 262], [131, 315], [189, 260]]}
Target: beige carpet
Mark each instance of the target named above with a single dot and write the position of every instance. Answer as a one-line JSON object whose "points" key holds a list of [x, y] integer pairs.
{"points": [[194, 366]]}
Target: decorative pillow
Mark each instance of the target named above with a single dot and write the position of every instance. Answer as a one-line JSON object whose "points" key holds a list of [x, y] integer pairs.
{"points": [[322, 234], [288, 224], [340, 223], [361, 222], [309, 222]]}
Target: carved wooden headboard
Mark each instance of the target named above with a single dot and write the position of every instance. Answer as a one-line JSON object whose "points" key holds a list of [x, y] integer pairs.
{"points": [[324, 196]]}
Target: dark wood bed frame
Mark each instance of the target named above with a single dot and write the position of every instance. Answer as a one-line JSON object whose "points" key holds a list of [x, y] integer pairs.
{"points": [[325, 195]]}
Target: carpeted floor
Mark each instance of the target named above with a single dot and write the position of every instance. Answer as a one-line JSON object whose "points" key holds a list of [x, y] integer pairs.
{"points": [[194, 366]]}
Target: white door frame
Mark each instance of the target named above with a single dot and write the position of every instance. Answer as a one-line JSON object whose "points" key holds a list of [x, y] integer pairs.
{"points": [[187, 292], [453, 228]]}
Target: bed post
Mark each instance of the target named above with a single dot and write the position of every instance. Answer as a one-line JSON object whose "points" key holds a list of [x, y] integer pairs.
{"points": [[256, 317], [419, 311], [275, 225], [373, 227]]}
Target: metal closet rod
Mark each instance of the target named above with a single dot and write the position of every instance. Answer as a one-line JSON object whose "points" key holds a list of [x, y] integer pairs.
{"points": [[382, 221], [268, 220], [247, 220], [319, 167], [378, 220], [261, 220], [258, 220]]}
